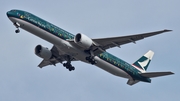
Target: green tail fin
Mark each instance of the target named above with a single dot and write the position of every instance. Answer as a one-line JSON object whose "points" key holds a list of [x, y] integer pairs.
{"points": [[144, 61]]}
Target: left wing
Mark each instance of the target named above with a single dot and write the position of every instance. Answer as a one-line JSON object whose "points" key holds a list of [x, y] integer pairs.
{"points": [[48, 62], [106, 43], [57, 58]]}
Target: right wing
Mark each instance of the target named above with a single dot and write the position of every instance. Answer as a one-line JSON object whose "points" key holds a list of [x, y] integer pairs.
{"points": [[102, 44], [57, 58], [106, 43]]}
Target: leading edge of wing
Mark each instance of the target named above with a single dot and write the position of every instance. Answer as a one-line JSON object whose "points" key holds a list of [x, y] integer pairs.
{"points": [[106, 43]]}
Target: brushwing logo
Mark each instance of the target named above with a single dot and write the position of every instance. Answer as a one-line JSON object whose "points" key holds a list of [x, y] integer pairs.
{"points": [[144, 63]]}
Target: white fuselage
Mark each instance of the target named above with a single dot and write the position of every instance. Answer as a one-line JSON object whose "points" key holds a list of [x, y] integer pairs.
{"points": [[67, 48]]}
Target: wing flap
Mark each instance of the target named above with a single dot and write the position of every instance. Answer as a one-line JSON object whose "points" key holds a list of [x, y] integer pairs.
{"points": [[156, 74]]}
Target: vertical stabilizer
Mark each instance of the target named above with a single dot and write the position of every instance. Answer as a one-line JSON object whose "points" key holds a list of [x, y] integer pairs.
{"points": [[143, 63]]}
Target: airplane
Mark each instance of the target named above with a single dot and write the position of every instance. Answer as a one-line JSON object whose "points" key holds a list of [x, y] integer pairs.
{"points": [[68, 48]]}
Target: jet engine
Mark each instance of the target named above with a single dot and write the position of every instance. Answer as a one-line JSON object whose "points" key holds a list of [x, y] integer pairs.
{"points": [[83, 41], [43, 52]]}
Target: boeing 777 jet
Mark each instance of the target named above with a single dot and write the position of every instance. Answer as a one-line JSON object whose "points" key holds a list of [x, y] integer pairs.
{"points": [[68, 47]]}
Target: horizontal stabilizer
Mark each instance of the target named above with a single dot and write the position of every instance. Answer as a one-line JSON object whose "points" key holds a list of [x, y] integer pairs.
{"points": [[132, 82], [155, 74]]}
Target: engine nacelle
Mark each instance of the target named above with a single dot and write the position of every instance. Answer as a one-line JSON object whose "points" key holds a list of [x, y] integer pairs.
{"points": [[83, 41], [43, 52]]}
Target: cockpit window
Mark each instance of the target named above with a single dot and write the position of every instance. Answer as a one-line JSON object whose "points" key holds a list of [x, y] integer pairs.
{"points": [[13, 10]]}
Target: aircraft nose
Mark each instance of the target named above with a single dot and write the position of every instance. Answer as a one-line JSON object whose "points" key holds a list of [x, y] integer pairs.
{"points": [[8, 13]]}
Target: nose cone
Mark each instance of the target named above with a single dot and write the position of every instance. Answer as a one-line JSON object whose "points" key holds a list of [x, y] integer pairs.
{"points": [[9, 13]]}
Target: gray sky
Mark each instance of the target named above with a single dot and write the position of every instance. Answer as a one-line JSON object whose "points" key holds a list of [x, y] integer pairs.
{"points": [[22, 80]]}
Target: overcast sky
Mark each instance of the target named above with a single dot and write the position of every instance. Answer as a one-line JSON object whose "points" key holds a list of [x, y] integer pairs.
{"points": [[22, 80]]}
